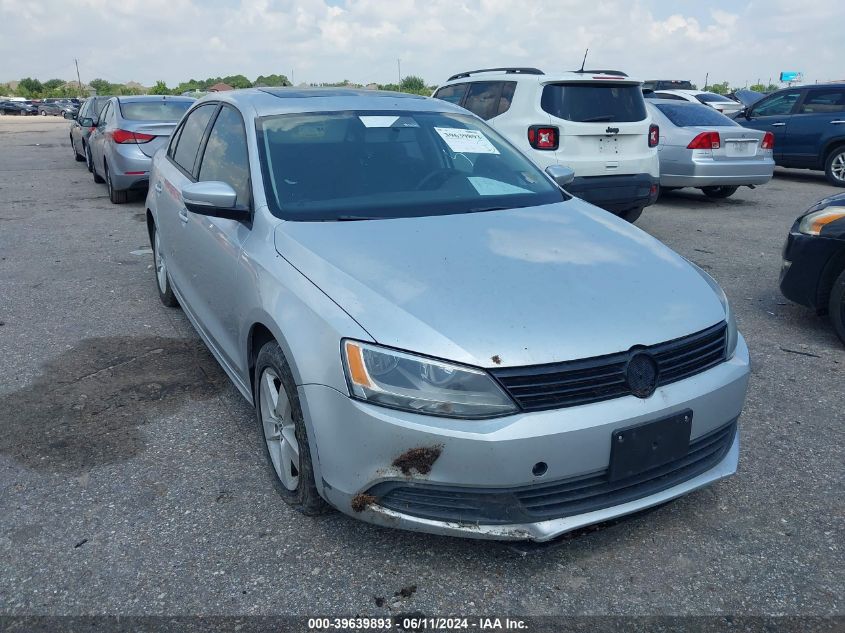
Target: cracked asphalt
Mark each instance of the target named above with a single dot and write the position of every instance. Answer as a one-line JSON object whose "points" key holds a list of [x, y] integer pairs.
{"points": [[131, 480]]}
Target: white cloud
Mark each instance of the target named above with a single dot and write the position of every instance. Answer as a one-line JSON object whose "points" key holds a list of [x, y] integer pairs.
{"points": [[361, 40]]}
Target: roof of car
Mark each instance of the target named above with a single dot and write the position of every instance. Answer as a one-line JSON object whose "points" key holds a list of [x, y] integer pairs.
{"points": [[136, 98], [568, 76], [267, 101]]}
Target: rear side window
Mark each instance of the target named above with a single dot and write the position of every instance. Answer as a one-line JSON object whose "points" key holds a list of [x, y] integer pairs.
{"points": [[693, 114], [669, 95], [589, 103], [778, 104], [225, 157], [824, 101], [452, 94], [489, 98], [712, 97], [187, 144], [154, 110]]}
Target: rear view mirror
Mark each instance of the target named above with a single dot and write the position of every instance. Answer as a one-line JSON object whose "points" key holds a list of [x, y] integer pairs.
{"points": [[560, 174], [213, 198]]}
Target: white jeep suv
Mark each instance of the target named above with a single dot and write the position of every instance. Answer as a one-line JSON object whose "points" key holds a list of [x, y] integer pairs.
{"points": [[593, 121]]}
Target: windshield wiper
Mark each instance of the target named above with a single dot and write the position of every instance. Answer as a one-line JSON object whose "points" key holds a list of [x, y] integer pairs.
{"points": [[352, 218], [483, 209], [596, 119]]}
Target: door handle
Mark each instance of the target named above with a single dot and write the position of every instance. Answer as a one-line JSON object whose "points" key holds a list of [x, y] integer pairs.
{"points": [[158, 187], [838, 121], [778, 124], [183, 215]]}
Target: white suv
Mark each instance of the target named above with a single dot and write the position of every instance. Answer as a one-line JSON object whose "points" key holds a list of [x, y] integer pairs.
{"points": [[593, 121]]}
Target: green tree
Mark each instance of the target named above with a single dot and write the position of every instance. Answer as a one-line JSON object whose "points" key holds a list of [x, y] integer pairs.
{"points": [[720, 89], [272, 80], [30, 88], [6, 90], [53, 84], [102, 86], [237, 81], [160, 88], [414, 85]]}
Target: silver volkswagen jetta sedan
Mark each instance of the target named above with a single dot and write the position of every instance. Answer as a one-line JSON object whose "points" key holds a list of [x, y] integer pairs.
{"points": [[436, 336]]}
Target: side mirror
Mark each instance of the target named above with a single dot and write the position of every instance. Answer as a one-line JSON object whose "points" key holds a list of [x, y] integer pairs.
{"points": [[213, 198], [68, 115], [86, 122], [560, 174]]}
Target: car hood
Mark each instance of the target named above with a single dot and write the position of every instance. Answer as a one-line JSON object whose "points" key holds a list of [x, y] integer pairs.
{"points": [[504, 288]]}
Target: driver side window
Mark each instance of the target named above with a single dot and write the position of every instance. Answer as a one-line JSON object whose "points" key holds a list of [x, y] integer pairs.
{"points": [[777, 104]]}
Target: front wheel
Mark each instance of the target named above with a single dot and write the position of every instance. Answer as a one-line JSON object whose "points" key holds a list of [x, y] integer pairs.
{"points": [[43, 112], [834, 167], [282, 430], [719, 192], [836, 306], [165, 292]]}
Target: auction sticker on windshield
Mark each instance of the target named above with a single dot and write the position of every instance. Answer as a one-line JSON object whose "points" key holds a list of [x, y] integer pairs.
{"points": [[466, 141]]}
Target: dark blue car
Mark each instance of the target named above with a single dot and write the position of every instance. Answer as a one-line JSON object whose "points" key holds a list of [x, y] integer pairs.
{"points": [[809, 127]]}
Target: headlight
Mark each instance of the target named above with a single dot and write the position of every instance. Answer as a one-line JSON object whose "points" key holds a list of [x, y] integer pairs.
{"points": [[729, 315], [423, 385], [813, 223]]}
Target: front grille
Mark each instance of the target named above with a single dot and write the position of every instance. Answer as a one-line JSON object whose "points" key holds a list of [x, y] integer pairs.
{"points": [[554, 500], [572, 383]]}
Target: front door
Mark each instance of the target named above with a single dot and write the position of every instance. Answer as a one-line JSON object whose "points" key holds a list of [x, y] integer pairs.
{"points": [[773, 114]]}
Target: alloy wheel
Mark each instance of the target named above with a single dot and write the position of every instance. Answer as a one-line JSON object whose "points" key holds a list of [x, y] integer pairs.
{"points": [[279, 428], [837, 167]]}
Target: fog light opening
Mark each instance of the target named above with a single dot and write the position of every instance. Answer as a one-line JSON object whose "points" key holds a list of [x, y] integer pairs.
{"points": [[540, 469]]}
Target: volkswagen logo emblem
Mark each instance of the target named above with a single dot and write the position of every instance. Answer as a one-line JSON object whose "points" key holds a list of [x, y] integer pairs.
{"points": [[641, 374]]}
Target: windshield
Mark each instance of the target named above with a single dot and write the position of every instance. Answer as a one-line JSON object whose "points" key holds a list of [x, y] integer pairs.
{"points": [[154, 110], [693, 114], [599, 103], [376, 165], [712, 97]]}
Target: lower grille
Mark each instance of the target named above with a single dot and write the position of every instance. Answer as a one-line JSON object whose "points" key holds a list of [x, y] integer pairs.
{"points": [[554, 500]]}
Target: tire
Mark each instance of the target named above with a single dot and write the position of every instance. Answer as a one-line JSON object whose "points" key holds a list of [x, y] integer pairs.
{"points": [[79, 158], [836, 306], [97, 178], [281, 424], [632, 215], [115, 195], [43, 112], [165, 291], [89, 163], [719, 192], [834, 167]]}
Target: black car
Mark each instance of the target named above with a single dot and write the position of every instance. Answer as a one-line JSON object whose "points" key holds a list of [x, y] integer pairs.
{"points": [[813, 271], [809, 127], [19, 108]]}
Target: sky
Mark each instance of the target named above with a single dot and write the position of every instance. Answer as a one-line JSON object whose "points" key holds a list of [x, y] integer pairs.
{"points": [[741, 41]]}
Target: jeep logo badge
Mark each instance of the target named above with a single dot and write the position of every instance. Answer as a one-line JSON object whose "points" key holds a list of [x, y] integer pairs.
{"points": [[612, 130]]}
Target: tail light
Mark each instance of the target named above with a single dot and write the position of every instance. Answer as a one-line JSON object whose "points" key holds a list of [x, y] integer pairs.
{"points": [[706, 140], [543, 137], [768, 141], [653, 135], [126, 136]]}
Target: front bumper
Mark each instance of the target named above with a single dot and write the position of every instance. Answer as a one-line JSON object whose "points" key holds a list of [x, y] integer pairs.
{"points": [[706, 172], [805, 258], [616, 193], [355, 445]]}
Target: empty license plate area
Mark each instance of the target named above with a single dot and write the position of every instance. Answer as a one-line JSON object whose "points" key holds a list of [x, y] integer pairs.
{"points": [[639, 448], [741, 148]]}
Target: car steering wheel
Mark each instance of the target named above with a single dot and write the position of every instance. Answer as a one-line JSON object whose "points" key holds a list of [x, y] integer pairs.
{"points": [[443, 174]]}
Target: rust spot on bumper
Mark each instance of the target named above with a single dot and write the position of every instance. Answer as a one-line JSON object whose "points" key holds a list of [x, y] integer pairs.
{"points": [[419, 459], [361, 501]]}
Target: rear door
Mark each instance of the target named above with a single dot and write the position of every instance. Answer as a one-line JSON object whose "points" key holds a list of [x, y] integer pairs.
{"points": [[603, 127], [97, 139], [820, 115], [177, 169], [772, 114]]}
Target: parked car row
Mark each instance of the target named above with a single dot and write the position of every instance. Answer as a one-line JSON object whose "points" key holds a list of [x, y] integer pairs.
{"points": [[621, 147], [17, 108]]}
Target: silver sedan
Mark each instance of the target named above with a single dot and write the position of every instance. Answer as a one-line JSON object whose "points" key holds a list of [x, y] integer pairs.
{"points": [[702, 148], [434, 335]]}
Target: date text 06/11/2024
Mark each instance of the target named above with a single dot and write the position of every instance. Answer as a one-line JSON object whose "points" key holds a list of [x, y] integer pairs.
{"points": [[416, 623]]}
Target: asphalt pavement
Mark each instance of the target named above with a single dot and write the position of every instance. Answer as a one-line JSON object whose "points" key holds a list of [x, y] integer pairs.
{"points": [[132, 482]]}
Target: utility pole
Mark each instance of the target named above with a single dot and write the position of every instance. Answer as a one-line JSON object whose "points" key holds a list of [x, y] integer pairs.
{"points": [[291, 77], [399, 66], [78, 80], [706, 77]]}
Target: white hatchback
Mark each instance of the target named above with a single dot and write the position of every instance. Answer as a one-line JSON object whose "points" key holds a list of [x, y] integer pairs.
{"points": [[593, 121]]}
